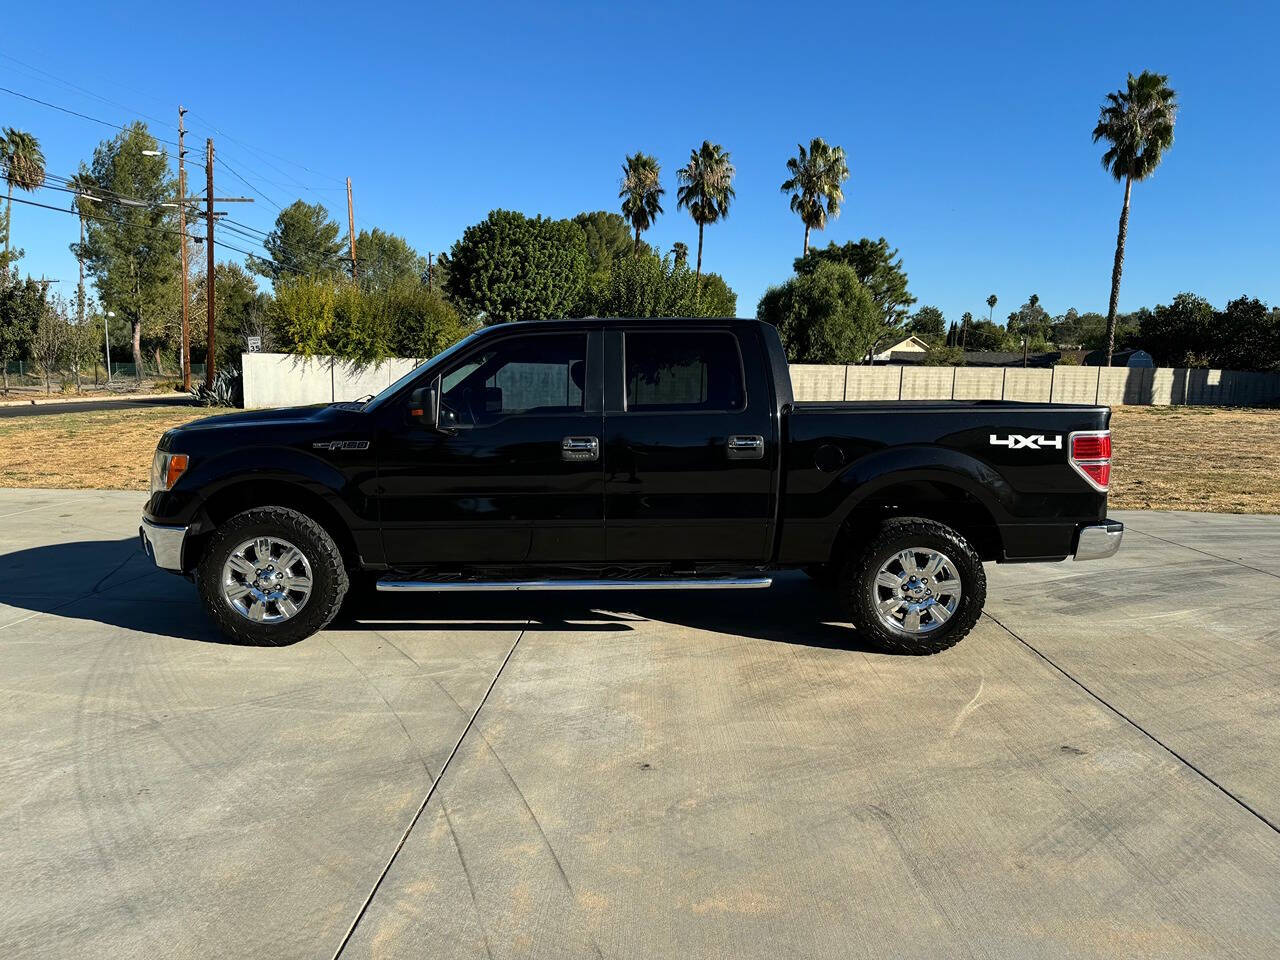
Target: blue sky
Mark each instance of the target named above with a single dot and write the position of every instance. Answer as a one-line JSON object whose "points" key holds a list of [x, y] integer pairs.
{"points": [[967, 126]]}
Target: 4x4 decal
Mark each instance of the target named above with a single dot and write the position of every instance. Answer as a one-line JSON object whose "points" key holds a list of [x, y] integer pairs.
{"points": [[1036, 441]]}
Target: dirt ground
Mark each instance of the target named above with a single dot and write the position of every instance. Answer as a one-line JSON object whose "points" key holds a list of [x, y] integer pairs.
{"points": [[1166, 458]]}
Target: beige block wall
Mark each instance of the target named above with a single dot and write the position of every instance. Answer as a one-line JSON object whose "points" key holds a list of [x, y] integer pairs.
{"points": [[873, 383], [1028, 385], [1075, 384], [817, 381], [927, 383], [979, 383]]}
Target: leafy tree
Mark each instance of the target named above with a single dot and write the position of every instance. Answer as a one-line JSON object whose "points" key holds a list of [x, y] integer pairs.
{"points": [[1180, 334], [1248, 336], [607, 237], [641, 193], [816, 178], [826, 315], [131, 245], [1030, 323], [240, 311], [1137, 124], [984, 335], [423, 321], [83, 338], [706, 189], [21, 304], [927, 323], [23, 168], [386, 260], [943, 356], [647, 286], [48, 346], [327, 316], [879, 269], [512, 267], [966, 321], [304, 242]]}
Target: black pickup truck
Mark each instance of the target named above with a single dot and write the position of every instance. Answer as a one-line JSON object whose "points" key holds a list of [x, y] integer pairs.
{"points": [[624, 454]]}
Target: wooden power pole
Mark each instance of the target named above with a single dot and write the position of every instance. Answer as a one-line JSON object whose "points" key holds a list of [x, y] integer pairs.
{"points": [[351, 231], [182, 225], [209, 362]]}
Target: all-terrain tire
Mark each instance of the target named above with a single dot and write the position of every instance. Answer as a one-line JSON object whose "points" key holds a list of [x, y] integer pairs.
{"points": [[858, 587], [329, 580]]}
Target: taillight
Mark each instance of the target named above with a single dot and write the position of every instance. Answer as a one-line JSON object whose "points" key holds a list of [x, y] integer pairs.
{"points": [[1090, 457]]}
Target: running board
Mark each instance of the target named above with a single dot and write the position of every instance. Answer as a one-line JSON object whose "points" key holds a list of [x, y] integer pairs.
{"points": [[532, 586]]}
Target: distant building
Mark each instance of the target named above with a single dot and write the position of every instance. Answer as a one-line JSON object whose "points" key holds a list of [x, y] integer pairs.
{"points": [[1121, 358], [912, 346]]}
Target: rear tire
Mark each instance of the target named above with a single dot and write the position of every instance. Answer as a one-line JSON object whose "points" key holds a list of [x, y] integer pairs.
{"points": [[917, 587], [271, 576]]}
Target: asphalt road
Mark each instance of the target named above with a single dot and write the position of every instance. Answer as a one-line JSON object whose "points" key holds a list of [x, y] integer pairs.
{"points": [[1094, 772], [89, 406]]}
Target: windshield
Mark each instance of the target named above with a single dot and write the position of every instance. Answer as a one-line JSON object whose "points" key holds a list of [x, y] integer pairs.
{"points": [[413, 374]]}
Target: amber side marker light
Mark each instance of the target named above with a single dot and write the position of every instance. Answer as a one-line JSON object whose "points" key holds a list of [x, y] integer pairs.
{"points": [[177, 467]]}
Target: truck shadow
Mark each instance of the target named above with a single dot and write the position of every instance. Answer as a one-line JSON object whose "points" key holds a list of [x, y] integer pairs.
{"points": [[112, 582]]}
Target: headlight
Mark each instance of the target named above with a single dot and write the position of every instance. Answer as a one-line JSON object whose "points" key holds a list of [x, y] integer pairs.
{"points": [[166, 468]]}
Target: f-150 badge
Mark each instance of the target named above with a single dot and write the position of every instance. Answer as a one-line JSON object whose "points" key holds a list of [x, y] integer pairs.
{"points": [[341, 445], [1036, 441]]}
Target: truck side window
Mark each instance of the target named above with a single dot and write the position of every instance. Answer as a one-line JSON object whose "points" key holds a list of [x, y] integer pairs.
{"points": [[536, 374], [673, 372]]}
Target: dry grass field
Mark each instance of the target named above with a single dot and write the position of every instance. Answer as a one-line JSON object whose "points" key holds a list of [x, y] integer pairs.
{"points": [[1166, 458]]}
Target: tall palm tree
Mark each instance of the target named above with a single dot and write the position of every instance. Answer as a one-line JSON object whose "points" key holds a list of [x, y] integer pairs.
{"points": [[815, 178], [641, 193], [706, 189], [23, 168], [1137, 123], [991, 307]]}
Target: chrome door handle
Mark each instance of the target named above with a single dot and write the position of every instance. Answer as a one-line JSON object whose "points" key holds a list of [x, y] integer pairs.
{"points": [[746, 447], [580, 448]]}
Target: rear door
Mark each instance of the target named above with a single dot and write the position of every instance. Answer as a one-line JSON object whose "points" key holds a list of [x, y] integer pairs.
{"points": [[690, 450]]}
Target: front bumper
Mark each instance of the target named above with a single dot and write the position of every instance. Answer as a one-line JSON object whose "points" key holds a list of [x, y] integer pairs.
{"points": [[1099, 541], [163, 544]]}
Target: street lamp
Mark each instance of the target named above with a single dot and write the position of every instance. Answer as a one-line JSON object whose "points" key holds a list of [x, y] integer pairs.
{"points": [[106, 333]]}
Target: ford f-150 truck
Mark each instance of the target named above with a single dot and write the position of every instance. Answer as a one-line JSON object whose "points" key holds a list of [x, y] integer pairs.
{"points": [[624, 454]]}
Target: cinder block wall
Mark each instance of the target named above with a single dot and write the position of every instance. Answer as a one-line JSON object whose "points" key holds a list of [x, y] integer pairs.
{"points": [[281, 379]]}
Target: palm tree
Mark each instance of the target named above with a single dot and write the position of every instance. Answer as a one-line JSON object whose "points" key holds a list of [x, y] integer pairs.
{"points": [[707, 189], [991, 307], [641, 192], [1137, 123], [23, 168], [816, 176]]}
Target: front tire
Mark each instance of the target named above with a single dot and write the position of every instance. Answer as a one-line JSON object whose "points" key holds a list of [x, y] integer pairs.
{"points": [[917, 587], [271, 576]]}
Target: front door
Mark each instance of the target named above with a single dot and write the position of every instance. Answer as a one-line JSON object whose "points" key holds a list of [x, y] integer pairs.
{"points": [[689, 447], [514, 475]]}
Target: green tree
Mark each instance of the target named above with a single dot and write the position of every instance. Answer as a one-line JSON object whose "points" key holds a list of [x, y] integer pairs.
{"points": [[1030, 324], [423, 321], [815, 184], [649, 286], [879, 269], [21, 304], [240, 311], [304, 242], [826, 315], [1137, 124], [927, 323], [706, 189], [1247, 335], [386, 260], [512, 267], [131, 244], [987, 336], [1181, 333], [943, 356], [608, 238], [23, 168], [49, 344], [641, 193]]}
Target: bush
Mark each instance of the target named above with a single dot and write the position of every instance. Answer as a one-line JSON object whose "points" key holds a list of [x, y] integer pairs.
{"points": [[826, 316], [649, 286]]}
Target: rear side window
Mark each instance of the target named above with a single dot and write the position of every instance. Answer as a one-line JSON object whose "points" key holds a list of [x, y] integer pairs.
{"points": [[673, 372]]}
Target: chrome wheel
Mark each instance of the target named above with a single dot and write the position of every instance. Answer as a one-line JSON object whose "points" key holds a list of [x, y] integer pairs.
{"points": [[266, 580], [917, 590]]}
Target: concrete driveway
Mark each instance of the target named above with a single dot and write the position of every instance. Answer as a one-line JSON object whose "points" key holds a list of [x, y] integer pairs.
{"points": [[1094, 772]]}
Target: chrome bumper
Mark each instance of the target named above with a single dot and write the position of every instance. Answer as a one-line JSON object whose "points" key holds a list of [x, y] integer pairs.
{"points": [[163, 544], [1100, 541]]}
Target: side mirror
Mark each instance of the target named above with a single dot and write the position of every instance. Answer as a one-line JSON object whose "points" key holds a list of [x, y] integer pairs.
{"points": [[424, 405]]}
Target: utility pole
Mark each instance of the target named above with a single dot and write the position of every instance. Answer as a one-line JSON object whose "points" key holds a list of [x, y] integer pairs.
{"points": [[209, 362], [182, 225], [429, 256], [351, 231], [210, 216]]}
